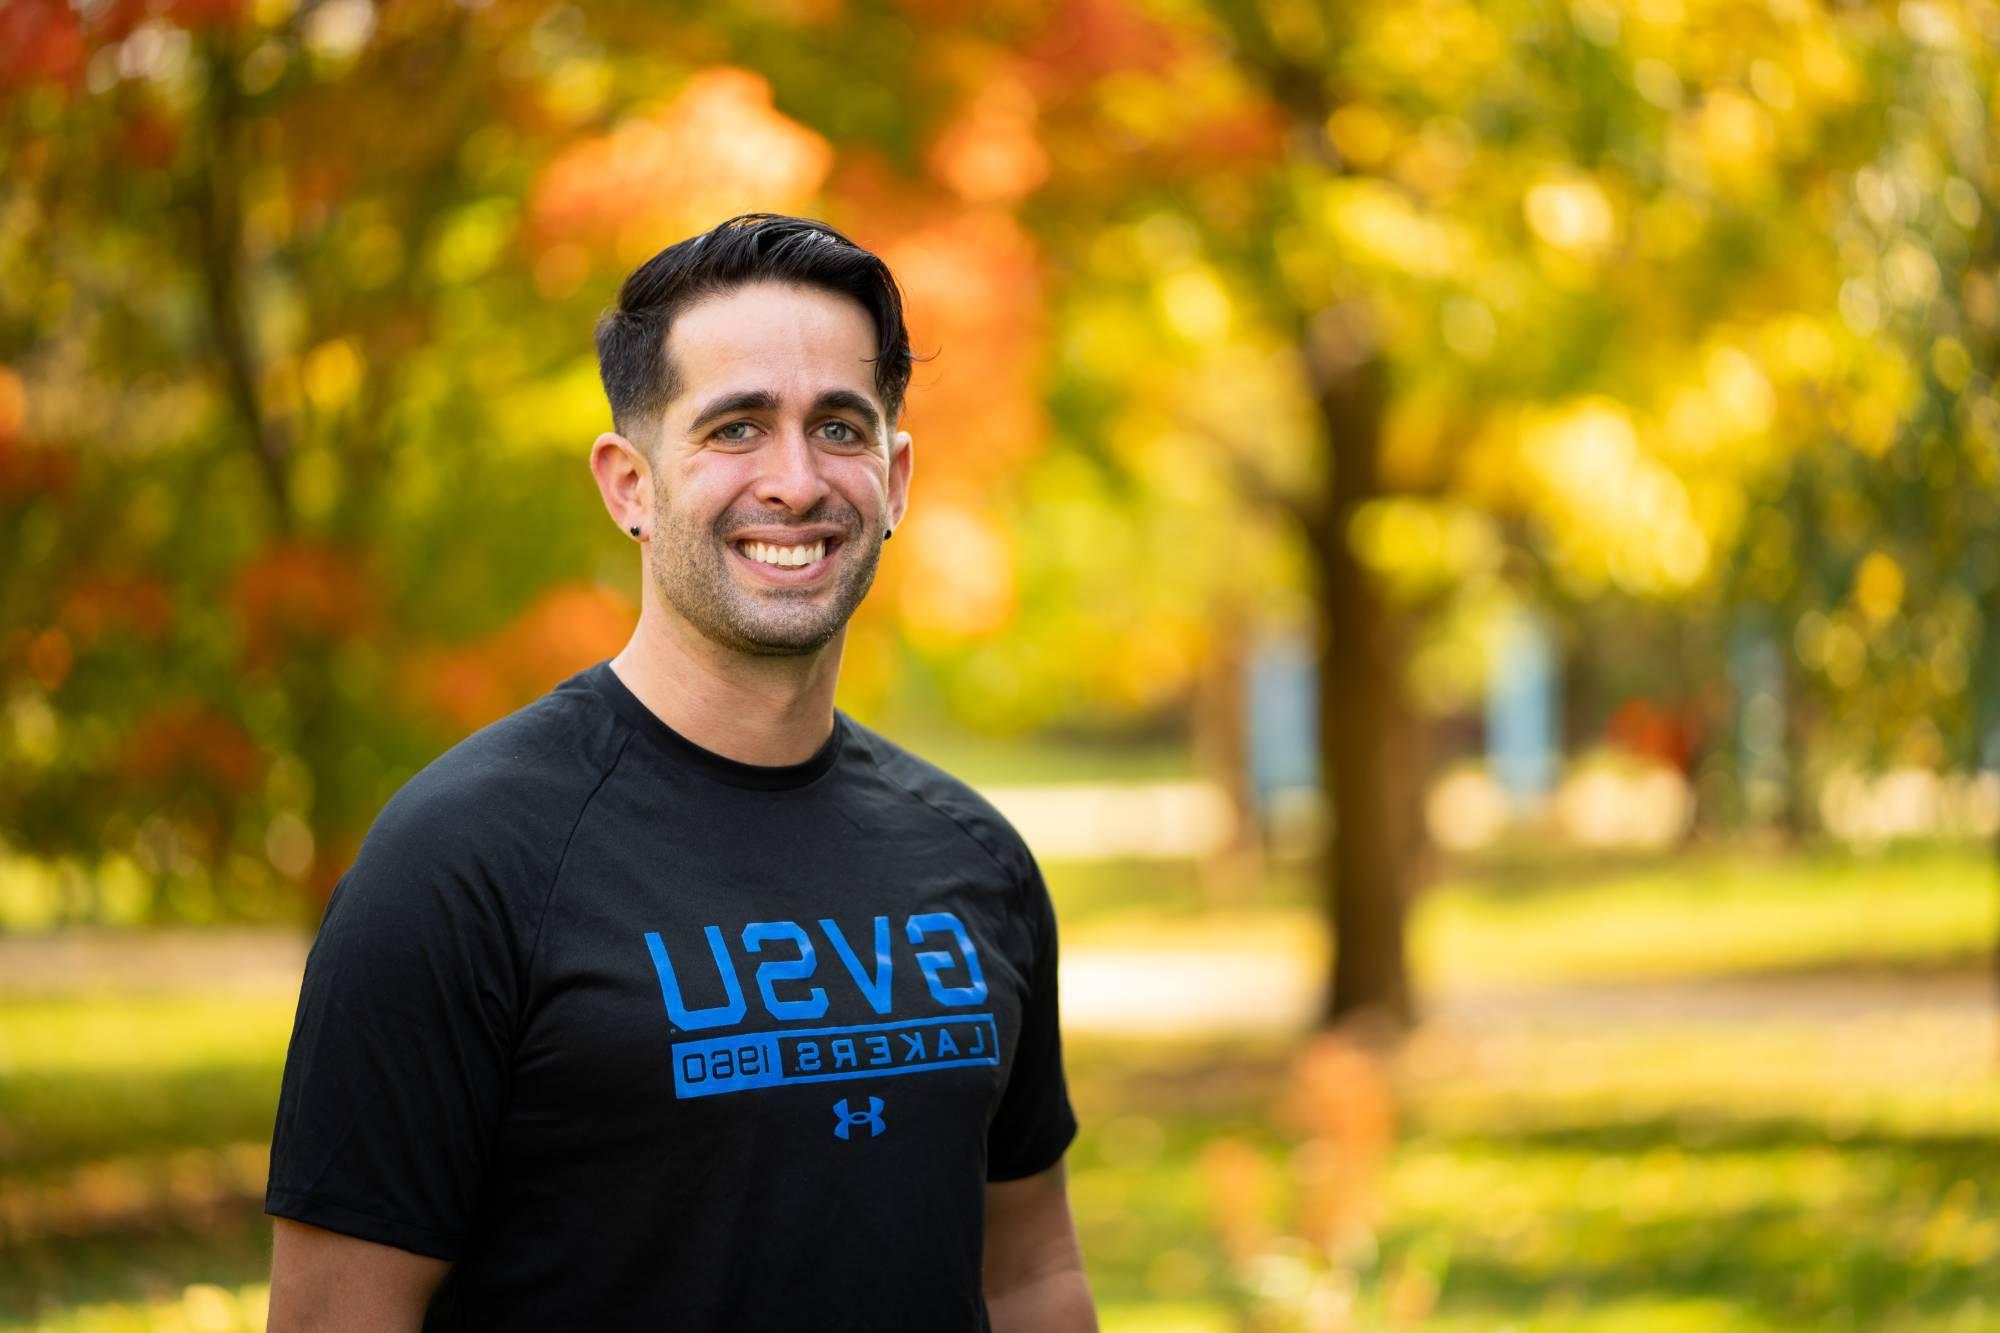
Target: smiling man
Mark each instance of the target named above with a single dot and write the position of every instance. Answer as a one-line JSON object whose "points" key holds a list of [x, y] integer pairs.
{"points": [[678, 999]]}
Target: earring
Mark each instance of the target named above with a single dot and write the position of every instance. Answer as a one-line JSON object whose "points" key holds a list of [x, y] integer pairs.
{"points": [[887, 533], [634, 531]]}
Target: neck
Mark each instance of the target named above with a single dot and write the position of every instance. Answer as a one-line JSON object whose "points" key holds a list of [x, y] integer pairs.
{"points": [[753, 709]]}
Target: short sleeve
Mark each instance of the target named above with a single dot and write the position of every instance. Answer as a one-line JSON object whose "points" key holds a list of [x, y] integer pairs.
{"points": [[398, 1068], [1034, 1124]]}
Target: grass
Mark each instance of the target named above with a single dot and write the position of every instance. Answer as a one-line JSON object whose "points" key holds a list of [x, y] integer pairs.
{"points": [[1709, 1195], [1828, 1170], [1702, 915]]}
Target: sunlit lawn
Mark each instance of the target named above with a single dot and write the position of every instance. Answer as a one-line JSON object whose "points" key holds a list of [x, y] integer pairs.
{"points": [[1820, 1173], [1762, 1179], [1702, 914]]}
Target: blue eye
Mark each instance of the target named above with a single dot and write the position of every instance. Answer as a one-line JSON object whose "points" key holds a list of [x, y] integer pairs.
{"points": [[735, 431], [842, 433]]}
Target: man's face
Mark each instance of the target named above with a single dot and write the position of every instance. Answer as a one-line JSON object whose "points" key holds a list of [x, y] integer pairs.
{"points": [[774, 475]]}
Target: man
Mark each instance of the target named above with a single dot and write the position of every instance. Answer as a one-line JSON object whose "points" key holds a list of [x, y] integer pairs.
{"points": [[677, 1000]]}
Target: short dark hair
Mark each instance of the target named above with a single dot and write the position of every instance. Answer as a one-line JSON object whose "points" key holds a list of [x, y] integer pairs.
{"points": [[640, 381]]}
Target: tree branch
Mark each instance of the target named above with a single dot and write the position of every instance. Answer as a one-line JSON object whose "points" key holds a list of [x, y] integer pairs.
{"points": [[218, 249]]}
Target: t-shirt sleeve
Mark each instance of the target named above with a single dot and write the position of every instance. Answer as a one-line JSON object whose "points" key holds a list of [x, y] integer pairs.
{"points": [[1035, 1123], [398, 1068]]}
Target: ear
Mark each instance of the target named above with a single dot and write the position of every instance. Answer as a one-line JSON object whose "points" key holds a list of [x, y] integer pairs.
{"points": [[622, 473], [900, 462]]}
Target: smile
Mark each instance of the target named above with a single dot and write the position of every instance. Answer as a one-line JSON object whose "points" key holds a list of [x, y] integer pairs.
{"points": [[785, 557]]}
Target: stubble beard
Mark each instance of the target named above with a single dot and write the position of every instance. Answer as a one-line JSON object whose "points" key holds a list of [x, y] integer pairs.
{"points": [[688, 564]]}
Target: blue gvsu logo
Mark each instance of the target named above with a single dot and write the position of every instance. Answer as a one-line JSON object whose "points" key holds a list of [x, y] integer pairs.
{"points": [[852, 1120], [725, 1062]]}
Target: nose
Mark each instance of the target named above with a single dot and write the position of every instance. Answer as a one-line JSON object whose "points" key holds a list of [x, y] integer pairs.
{"points": [[790, 473]]}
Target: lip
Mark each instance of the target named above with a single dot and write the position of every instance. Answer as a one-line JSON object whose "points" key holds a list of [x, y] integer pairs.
{"points": [[786, 576]]}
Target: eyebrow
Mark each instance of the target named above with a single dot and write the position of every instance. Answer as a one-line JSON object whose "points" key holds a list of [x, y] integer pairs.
{"points": [[763, 400], [754, 400], [850, 401]]}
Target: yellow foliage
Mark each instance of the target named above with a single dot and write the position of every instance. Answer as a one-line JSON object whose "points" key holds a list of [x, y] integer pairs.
{"points": [[1375, 223], [332, 374], [1573, 214], [1195, 304], [1364, 134], [1613, 511], [1878, 587], [958, 577]]}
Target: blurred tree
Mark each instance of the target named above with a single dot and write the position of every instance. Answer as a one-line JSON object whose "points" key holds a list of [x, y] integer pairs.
{"points": [[1506, 303], [296, 380], [1873, 549], [1872, 554], [1497, 303]]}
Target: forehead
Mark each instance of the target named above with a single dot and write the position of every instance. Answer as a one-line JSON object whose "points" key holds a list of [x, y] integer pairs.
{"points": [[775, 337]]}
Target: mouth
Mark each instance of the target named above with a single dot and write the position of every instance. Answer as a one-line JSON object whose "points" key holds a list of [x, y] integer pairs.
{"points": [[786, 563]]}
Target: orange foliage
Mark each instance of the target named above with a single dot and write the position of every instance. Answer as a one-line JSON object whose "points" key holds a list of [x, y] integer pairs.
{"points": [[50, 658], [1241, 1187], [972, 279], [48, 41], [296, 594], [565, 630], [989, 154], [31, 471], [41, 41], [99, 603], [1086, 40], [1094, 49], [974, 285], [718, 149], [149, 140], [333, 853], [1650, 731], [113, 22], [13, 405], [25, 471], [1339, 1099], [190, 741]]}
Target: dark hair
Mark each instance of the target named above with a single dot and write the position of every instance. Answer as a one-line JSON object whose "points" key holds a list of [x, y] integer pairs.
{"points": [[639, 380]]}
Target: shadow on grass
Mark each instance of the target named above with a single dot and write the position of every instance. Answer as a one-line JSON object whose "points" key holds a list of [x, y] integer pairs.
{"points": [[51, 1121], [227, 1243], [1788, 1266], [1723, 1132]]}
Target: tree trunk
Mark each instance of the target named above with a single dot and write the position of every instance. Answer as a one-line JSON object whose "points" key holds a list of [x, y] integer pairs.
{"points": [[1367, 734]]}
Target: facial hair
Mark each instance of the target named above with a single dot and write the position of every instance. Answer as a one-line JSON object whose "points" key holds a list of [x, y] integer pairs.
{"points": [[688, 564]]}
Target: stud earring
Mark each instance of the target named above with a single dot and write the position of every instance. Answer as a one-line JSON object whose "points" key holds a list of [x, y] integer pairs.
{"points": [[887, 533], [634, 531]]}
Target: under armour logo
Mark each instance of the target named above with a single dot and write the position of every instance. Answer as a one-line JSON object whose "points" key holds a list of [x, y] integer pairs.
{"points": [[872, 1117]]}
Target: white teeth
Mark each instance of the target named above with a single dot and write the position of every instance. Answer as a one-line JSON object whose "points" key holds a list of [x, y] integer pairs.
{"points": [[764, 553]]}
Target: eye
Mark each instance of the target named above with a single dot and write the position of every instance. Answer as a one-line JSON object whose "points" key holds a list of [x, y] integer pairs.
{"points": [[839, 432], [736, 432]]}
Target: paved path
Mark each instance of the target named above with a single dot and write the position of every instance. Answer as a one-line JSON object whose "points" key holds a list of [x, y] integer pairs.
{"points": [[1190, 992]]}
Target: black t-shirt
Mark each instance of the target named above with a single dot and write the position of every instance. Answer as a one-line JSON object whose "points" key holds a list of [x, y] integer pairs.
{"points": [[642, 1037]]}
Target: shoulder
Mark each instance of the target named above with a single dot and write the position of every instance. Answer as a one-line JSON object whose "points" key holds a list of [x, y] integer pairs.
{"points": [[925, 784], [509, 794]]}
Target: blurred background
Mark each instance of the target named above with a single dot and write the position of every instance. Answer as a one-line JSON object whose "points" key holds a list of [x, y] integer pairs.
{"points": [[1467, 537]]}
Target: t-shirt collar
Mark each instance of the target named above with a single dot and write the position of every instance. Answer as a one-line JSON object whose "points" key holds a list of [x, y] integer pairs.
{"points": [[734, 772]]}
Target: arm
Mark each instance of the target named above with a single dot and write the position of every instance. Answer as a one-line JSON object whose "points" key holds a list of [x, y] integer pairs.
{"points": [[1034, 1271], [324, 1282]]}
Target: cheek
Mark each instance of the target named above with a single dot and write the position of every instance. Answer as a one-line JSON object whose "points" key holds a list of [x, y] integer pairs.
{"points": [[863, 481], [697, 496]]}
